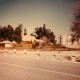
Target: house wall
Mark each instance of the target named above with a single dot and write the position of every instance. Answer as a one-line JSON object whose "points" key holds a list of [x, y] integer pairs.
{"points": [[8, 45], [23, 45]]}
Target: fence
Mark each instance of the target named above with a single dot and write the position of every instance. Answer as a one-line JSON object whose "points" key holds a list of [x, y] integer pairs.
{"points": [[52, 55]]}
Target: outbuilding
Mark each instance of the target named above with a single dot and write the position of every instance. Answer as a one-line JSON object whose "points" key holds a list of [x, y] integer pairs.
{"points": [[7, 44]]}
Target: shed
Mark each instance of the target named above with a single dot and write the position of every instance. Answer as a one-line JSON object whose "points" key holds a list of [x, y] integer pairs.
{"points": [[7, 44]]}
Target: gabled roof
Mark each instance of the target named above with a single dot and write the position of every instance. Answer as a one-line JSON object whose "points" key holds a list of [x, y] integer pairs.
{"points": [[28, 38], [8, 42]]}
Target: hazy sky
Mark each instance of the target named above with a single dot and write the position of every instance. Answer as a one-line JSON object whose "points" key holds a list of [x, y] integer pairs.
{"points": [[56, 14]]}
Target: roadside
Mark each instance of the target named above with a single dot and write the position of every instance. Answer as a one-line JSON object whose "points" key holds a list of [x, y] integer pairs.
{"points": [[70, 56]]}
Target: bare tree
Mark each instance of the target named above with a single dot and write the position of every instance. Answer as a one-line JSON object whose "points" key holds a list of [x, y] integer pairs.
{"points": [[75, 27]]}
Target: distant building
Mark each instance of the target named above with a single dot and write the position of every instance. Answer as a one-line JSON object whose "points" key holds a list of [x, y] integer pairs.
{"points": [[65, 40], [7, 44]]}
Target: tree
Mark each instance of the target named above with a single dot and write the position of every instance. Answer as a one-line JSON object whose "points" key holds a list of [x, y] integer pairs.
{"points": [[18, 34], [43, 32], [52, 37], [1, 34], [25, 31], [10, 33], [6, 33], [75, 27]]}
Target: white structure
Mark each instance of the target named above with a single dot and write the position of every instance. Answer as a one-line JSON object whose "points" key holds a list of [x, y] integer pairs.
{"points": [[28, 38], [8, 43], [40, 41], [65, 40]]}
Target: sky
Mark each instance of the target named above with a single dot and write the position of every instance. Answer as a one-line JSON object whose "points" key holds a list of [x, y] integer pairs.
{"points": [[56, 14]]}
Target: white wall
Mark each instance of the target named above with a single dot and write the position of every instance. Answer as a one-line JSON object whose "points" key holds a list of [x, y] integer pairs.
{"points": [[8, 45], [66, 41]]}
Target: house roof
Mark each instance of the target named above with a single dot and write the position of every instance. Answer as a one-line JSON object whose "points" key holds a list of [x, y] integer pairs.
{"points": [[8, 42], [28, 38], [39, 40]]}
